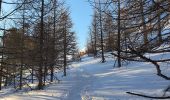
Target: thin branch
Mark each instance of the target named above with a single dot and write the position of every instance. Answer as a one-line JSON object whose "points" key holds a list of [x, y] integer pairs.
{"points": [[146, 96]]}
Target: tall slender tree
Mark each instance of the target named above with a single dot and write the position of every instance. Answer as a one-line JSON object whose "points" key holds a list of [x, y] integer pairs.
{"points": [[118, 36], [40, 72], [101, 32]]}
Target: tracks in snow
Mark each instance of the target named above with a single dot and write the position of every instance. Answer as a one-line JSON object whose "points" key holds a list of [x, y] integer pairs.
{"points": [[81, 83]]}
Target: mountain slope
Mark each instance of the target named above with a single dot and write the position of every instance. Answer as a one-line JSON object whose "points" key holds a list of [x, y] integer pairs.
{"points": [[92, 80]]}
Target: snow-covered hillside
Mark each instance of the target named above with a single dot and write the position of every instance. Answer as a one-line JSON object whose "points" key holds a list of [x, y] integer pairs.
{"points": [[92, 80]]}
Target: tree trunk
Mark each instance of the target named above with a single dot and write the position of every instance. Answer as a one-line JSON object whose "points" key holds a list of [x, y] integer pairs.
{"points": [[65, 62], [145, 35], [159, 27], [52, 73], [95, 37], [6, 78], [14, 77], [118, 36], [101, 34], [40, 73], [54, 43], [22, 43], [65, 54], [32, 75]]}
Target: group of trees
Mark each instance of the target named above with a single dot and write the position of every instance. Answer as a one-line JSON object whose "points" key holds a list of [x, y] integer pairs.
{"points": [[131, 29], [36, 42]]}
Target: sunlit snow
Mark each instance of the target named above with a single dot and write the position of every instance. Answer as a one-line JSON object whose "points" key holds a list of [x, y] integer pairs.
{"points": [[92, 80]]}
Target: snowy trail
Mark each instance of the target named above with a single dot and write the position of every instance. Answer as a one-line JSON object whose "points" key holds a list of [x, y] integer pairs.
{"points": [[82, 82]]}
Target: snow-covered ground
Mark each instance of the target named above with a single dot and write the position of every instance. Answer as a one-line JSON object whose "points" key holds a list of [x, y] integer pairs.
{"points": [[92, 80]]}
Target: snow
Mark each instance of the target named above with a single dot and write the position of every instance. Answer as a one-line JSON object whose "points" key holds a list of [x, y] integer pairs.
{"points": [[92, 80]]}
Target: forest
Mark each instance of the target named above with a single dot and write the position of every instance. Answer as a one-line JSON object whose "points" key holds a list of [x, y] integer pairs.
{"points": [[36, 39], [131, 30]]}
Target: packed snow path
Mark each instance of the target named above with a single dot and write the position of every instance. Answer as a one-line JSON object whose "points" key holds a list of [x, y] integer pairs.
{"points": [[81, 80], [92, 80]]}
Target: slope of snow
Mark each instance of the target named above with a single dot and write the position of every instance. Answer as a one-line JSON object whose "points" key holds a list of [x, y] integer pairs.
{"points": [[92, 80]]}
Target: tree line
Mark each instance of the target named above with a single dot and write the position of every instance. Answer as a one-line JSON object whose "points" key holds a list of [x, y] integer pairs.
{"points": [[131, 30], [36, 39]]}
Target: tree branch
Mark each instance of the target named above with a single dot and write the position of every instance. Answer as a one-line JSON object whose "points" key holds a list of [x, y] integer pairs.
{"points": [[146, 96]]}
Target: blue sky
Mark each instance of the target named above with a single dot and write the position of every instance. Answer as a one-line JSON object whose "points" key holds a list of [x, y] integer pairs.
{"points": [[81, 12]]}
